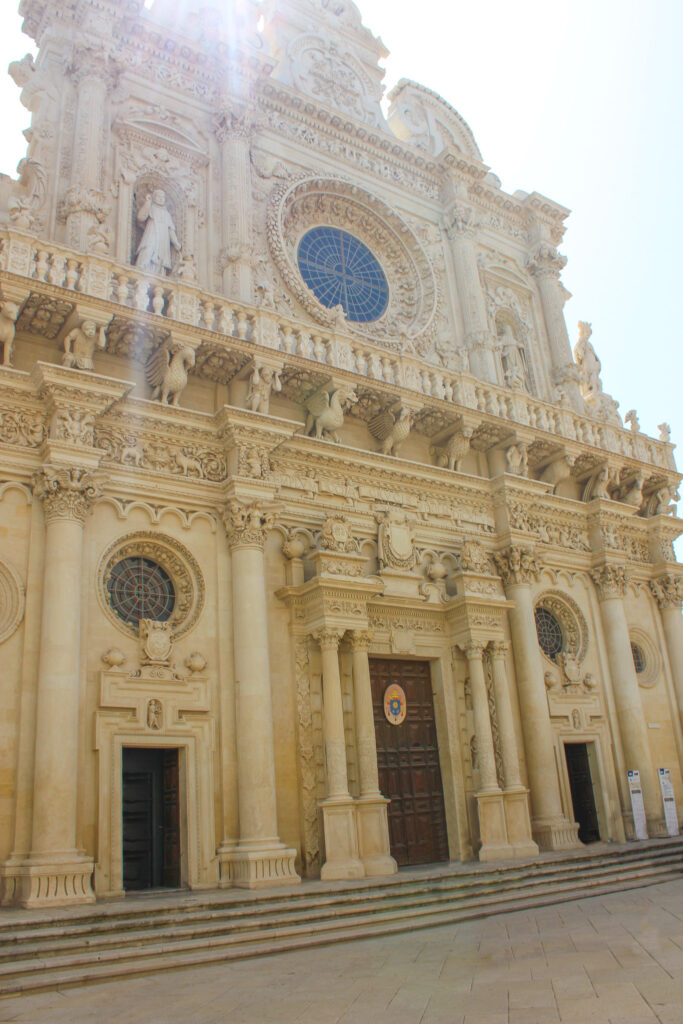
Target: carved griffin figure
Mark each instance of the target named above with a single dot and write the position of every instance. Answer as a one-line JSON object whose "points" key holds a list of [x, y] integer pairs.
{"points": [[391, 427], [167, 371], [325, 410]]}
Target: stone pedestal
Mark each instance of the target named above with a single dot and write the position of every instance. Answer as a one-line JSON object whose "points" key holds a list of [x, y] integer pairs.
{"points": [[373, 836], [342, 856]]}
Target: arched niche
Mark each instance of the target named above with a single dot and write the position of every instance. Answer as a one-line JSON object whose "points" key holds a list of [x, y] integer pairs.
{"points": [[143, 186]]}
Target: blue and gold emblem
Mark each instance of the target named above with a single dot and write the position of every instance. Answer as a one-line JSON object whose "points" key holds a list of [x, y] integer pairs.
{"points": [[395, 704]]}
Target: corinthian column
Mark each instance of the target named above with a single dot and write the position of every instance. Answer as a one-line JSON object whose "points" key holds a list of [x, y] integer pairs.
{"points": [[546, 265], [259, 858], [551, 829], [339, 817], [610, 581], [462, 232], [492, 827], [515, 794], [668, 593], [371, 807], [94, 74], [233, 130], [56, 872]]}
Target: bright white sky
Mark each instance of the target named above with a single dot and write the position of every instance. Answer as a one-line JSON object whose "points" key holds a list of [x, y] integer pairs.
{"points": [[581, 100]]}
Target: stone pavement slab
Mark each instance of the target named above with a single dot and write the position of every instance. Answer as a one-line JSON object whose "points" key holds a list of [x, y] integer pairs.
{"points": [[615, 959]]}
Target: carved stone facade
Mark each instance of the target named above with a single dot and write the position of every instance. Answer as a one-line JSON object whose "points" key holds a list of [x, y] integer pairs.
{"points": [[285, 390]]}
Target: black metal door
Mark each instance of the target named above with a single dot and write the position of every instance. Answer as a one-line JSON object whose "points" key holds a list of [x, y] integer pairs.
{"points": [[581, 785], [151, 834]]}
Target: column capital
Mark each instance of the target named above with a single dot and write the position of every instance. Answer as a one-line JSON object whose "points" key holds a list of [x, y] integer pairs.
{"points": [[361, 639], [474, 649], [499, 648], [248, 524], [546, 262], [328, 638], [66, 493], [516, 565], [610, 581], [667, 590], [94, 62]]}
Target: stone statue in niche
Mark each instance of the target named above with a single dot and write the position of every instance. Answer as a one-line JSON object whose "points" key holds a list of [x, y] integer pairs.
{"points": [[154, 713], [513, 366], [263, 381], [155, 252], [80, 345]]}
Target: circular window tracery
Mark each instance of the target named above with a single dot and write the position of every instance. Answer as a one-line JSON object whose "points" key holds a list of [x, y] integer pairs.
{"points": [[150, 575], [340, 270], [140, 588], [549, 633]]}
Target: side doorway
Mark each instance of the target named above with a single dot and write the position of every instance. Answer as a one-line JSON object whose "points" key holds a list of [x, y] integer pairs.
{"points": [[583, 796], [151, 818]]}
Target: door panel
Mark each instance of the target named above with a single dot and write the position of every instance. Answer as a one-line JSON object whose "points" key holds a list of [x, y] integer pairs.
{"points": [[408, 764], [581, 785], [151, 819]]}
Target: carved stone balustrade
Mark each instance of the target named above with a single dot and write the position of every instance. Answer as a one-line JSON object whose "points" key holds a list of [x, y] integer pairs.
{"points": [[62, 274]]}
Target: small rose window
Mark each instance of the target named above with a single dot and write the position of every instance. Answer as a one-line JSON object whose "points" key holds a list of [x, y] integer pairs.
{"points": [[549, 633], [139, 588]]}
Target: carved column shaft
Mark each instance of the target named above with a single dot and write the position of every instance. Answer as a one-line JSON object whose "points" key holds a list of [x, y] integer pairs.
{"points": [[482, 719], [668, 591], [366, 742], [333, 716], [92, 79], [471, 295], [506, 725], [237, 205], [538, 738], [610, 582]]}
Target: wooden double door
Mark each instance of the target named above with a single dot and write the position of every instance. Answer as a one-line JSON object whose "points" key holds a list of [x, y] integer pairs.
{"points": [[408, 763], [151, 818]]}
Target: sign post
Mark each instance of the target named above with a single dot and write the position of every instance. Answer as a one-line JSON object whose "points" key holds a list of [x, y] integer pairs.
{"points": [[637, 805], [669, 800]]}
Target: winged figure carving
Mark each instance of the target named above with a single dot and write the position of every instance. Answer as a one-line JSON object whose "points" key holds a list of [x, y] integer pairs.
{"points": [[325, 410], [167, 370], [391, 427]]}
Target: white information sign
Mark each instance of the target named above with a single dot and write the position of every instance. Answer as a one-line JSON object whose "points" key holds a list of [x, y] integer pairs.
{"points": [[669, 800], [637, 805]]}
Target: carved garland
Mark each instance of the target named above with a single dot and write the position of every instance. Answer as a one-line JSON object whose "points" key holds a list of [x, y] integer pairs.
{"points": [[175, 559], [572, 623], [296, 207]]}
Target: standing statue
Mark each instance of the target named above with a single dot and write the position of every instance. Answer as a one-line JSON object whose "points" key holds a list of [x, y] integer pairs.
{"points": [[512, 360], [80, 345], [9, 311], [588, 362], [159, 236], [263, 381]]}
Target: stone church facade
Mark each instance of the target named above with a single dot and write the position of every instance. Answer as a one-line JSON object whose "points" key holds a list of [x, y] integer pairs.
{"points": [[320, 550]]}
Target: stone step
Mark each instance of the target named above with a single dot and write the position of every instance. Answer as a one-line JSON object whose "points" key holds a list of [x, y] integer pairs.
{"points": [[80, 952], [50, 975], [107, 915], [215, 922]]}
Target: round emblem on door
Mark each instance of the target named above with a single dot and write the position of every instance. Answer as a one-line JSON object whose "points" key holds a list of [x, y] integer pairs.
{"points": [[395, 704]]}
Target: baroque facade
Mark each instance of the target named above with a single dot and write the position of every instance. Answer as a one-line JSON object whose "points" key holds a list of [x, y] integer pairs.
{"points": [[320, 550]]}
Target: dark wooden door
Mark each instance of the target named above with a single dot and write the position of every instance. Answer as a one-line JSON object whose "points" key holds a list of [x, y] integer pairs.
{"points": [[151, 826], [581, 785], [408, 763]]}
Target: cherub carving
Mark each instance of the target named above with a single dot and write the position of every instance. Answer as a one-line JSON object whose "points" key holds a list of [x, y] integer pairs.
{"points": [[80, 345], [167, 371], [391, 427], [75, 426], [9, 311], [263, 381], [325, 408]]}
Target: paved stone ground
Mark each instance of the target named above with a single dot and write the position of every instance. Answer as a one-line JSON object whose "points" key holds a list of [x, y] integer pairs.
{"points": [[605, 960]]}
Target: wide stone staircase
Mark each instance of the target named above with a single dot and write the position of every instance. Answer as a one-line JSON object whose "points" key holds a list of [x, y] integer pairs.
{"points": [[48, 949]]}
